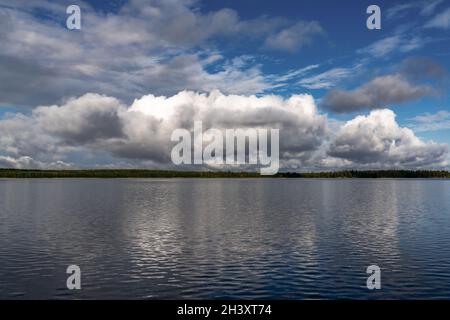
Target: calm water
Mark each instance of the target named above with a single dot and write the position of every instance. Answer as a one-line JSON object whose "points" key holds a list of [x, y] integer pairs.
{"points": [[239, 238]]}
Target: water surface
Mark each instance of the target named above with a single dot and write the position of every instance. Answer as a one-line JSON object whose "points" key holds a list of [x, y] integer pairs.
{"points": [[224, 238]]}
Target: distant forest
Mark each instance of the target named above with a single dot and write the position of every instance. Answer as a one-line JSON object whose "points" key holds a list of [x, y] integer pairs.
{"points": [[129, 173]]}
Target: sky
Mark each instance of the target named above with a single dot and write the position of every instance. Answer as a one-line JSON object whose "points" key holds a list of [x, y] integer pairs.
{"points": [[110, 94]]}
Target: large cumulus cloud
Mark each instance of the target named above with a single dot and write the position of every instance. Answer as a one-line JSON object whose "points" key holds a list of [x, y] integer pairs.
{"points": [[96, 130], [376, 140], [96, 124]]}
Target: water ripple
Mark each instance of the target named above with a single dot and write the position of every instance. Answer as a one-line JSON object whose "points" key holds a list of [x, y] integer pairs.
{"points": [[229, 239]]}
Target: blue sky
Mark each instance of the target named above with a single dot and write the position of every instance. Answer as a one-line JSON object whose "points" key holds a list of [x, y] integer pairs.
{"points": [[130, 49]]}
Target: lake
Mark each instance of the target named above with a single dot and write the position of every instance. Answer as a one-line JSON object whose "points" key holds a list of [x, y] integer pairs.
{"points": [[224, 238]]}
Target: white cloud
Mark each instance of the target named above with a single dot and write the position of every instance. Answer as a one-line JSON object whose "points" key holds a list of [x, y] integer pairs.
{"points": [[293, 74], [94, 125], [425, 7], [396, 43], [327, 79], [391, 44], [293, 38], [99, 131], [30, 163], [442, 20], [378, 141], [431, 122], [430, 6], [384, 46]]}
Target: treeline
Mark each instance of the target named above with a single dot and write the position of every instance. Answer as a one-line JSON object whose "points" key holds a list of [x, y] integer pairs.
{"points": [[121, 173], [371, 174], [129, 173]]}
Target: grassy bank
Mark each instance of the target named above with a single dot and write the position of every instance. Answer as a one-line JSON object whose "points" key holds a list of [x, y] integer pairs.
{"points": [[127, 173]]}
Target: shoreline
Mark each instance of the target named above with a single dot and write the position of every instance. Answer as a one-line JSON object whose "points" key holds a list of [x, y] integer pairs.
{"points": [[140, 173]]}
